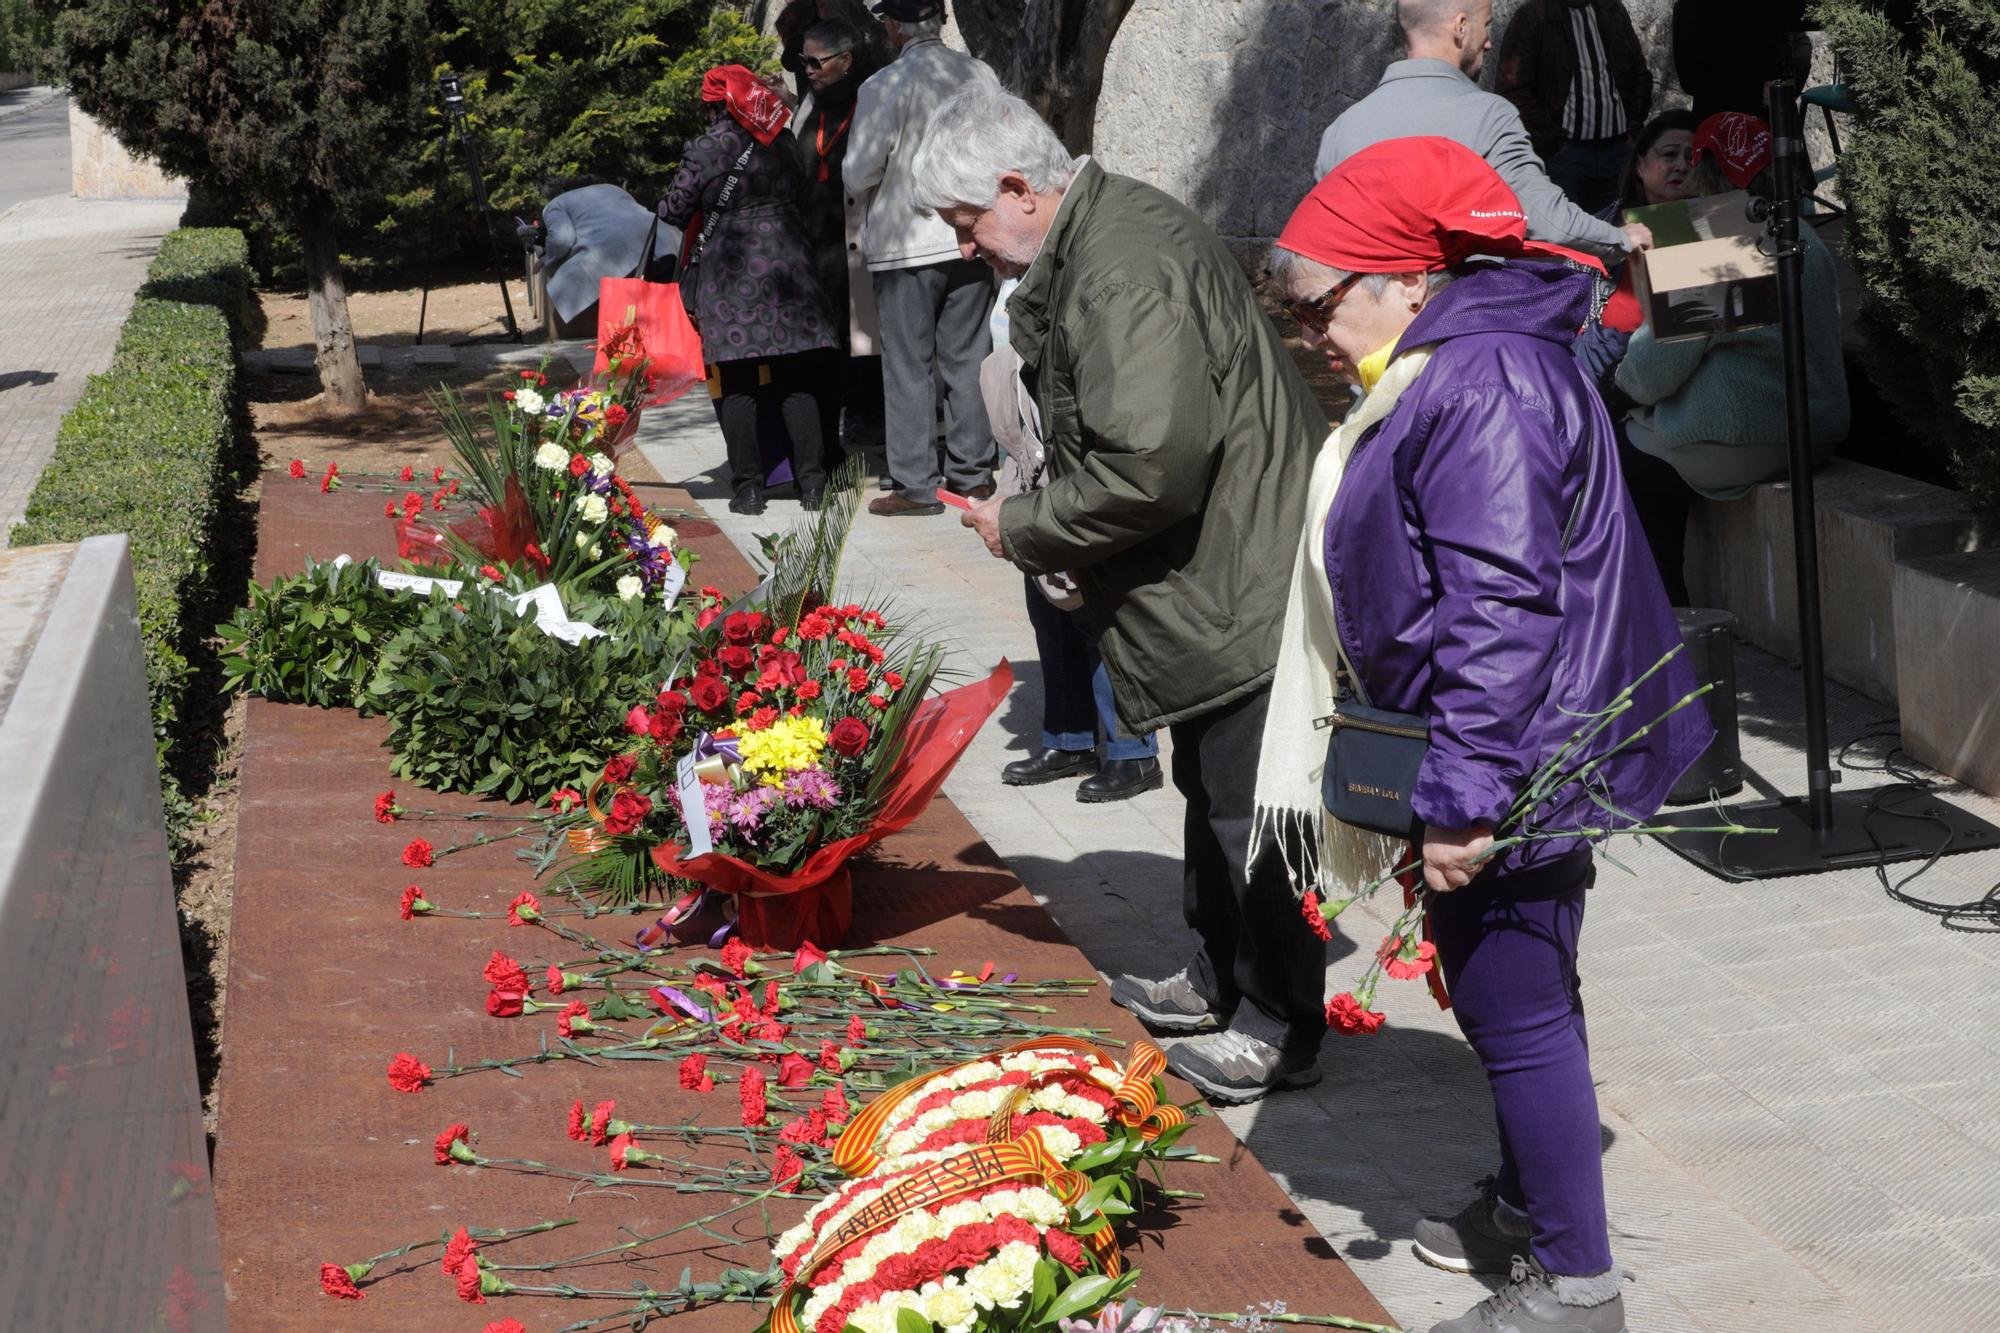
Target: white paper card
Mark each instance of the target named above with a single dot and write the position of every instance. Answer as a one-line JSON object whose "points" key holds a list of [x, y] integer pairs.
{"points": [[389, 578], [694, 811], [673, 583]]}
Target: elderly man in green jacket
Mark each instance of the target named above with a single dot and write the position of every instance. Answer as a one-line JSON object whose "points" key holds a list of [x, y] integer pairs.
{"points": [[1180, 438]]}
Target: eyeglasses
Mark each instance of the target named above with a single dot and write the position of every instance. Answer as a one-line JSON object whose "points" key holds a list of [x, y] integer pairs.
{"points": [[1316, 315], [815, 64]]}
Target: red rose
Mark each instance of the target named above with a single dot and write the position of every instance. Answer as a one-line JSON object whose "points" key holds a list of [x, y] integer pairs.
{"points": [[742, 627], [671, 702], [794, 1071], [786, 1169], [504, 972], [418, 854], [807, 956], [458, 1252], [525, 908], [850, 736], [750, 1094], [736, 956], [333, 1279], [385, 808], [835, 1106], [708, 693], [578, 1126], [620, 768], [407, 1073], [441, 1149], [1064, 1248], [638, 722], [504, 1003], [694, 1074], [666, 727], [298, 471], [736, 660], [567, 1020], [628, 810], [600, 1121], [1309, 908], [468, 1284], [706, 618], [413, 902], [564, 799], [578, 465], [1346, 1014]]}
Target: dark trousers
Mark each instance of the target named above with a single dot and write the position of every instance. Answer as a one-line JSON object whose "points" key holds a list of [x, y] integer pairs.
{"points": [[1663, 502], [794, 383], [1257, 956], [1508, 950], [1588, 170], [1077, 704], [936, 321]]}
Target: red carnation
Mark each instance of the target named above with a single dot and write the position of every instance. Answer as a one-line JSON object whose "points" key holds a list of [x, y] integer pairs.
{"points": [[504, 973], [489, 572], [442, 1147], [808, 691], [555, 980], [564, 799], [810, 1130], [297, 468], [418, 854], [786, 1169], [628, 810], [469, 1284], [525, 908], [829, 1057], [760, 720], [505, 1326], [388, 508], [437, 473], [333, 1279], [708, 693], [407, 474], [566, 1021], [794, 1070], [413, 902], [849, 736], [1411, 969], [694, 1074], [600, 1119], [1064, 1248], [620, 768], [835, 1105], [579, 1128], [385, 808], [1309, 908], [578, 465], [407, 1073], [736, 956], [412, 504], [750, 1092], [458, 1252], [878, 702], [505, 1003], [857, 1031], [857, 680], [1350, 1016], [894, 679], [619, 1146]]}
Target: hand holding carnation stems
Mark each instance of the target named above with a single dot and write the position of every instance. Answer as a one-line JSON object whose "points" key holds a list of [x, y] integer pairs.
{"points": [[1458, 855]]}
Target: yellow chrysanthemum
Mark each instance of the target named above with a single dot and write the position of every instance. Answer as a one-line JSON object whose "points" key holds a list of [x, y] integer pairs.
{"points": [[787, 744]]}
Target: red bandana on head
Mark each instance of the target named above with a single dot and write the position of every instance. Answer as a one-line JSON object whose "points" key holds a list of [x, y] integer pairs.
{"points": [[1741, 144], [749, 99], [1414, 206]]}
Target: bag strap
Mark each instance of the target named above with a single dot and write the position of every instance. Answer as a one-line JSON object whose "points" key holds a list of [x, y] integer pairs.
{"points": [[1569, 535], [722, 201]]}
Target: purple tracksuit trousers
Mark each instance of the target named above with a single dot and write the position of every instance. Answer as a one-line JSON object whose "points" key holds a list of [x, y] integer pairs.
{"points": [[1508, 950]]}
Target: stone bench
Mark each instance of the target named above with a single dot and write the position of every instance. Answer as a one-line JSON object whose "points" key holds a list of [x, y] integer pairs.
{"points": [[1948, 663]]}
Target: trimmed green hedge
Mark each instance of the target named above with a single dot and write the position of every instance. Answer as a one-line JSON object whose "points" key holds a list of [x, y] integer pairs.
{"points": [[147, 450]]}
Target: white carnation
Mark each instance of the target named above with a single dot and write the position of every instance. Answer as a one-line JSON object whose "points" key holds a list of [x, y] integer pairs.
{"points": [[530, 402], [592, 507], [629, 587], [600, 464], [552, 457], [583, 541], [951, 1307]]}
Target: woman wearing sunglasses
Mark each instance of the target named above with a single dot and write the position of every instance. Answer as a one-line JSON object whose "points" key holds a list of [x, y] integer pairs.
{"points": [[1470, 550]]}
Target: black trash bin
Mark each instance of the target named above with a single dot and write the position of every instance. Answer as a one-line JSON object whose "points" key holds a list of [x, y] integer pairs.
{"points": [[1710, 639]]}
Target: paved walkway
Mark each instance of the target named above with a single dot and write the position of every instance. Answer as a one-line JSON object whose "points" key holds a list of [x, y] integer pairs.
{"points": [[68, 269], [1799, 1081]]}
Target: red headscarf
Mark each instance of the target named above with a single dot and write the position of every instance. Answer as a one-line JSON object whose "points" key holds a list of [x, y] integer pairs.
{"points": [[1741, 144], [1413, 206], [749, 99]]}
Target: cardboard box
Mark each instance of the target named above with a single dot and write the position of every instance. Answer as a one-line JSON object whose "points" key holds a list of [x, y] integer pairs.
{"points": [[1709, 271]]}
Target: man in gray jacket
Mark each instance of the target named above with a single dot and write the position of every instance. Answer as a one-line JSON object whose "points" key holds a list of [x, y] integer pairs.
{"points": [[1433, 92], [933, 303]]}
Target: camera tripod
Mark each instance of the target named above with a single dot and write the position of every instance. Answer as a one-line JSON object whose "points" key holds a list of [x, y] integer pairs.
{"points": [[451, 97]]}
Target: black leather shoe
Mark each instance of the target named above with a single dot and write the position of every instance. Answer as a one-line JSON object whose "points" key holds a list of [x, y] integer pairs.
{"points": [[749, 500], [1047, 766], [812, 501], [1121, 780]]}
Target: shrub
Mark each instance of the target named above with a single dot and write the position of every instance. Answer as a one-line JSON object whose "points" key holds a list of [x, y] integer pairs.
{"points": [[147, 451], [1921, 177]]}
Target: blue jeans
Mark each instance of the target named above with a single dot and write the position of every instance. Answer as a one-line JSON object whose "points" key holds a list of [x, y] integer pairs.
{"points": [[1588, 171], [1076, 690]]}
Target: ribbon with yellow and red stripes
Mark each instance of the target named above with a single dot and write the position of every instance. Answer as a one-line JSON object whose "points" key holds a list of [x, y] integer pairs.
{"points": [[1024, 1158], [1138, 1104]]}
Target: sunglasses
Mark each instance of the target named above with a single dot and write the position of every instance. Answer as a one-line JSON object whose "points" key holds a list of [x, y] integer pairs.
{"points": [[815, 64], [1316, 315]]}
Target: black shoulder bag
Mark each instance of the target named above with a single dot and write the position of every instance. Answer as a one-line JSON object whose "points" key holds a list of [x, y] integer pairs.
{"points": [[690, 273], [1374, 754]]}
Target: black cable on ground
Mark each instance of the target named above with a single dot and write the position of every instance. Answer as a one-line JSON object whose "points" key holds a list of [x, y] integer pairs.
{"points": [[1979, 916]]}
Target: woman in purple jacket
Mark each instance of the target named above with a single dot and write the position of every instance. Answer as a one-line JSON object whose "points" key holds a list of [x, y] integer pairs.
{"points": [[1471, 545]]}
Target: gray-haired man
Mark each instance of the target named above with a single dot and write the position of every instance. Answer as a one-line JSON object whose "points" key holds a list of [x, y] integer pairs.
{"points": [[1179, 437]]}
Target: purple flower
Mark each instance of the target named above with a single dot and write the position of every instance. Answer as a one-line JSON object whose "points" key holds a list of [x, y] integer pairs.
{"points": [[811, 788], [748, 814]]}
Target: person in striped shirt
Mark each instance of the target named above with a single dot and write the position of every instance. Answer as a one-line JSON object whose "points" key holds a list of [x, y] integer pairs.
{"points": [[1578, 75]]}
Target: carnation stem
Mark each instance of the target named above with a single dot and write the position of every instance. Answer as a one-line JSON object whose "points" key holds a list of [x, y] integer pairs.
{"points": [[1315, 1320], [627, 1247]]}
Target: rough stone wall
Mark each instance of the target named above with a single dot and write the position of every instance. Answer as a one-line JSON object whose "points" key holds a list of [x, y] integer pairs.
{"points": [[100, 168], [1222, 102]]}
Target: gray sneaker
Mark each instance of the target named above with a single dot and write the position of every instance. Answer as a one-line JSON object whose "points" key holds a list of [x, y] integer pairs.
{"points": [[1231, 1067], [1483, 1237], [1529, 1304], [1171, 1004]]}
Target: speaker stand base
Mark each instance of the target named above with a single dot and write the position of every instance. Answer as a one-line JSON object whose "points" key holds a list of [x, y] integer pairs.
{"points": [[1913, 826]]}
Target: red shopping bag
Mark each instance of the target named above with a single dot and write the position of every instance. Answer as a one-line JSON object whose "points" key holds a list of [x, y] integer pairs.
{"points": [[667, 336]]}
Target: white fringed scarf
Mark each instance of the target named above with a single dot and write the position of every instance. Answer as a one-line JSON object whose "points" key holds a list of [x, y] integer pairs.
{"points": [[1321, 854]]}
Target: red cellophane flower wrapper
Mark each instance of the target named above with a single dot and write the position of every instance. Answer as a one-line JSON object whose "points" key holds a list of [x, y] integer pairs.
{"points": [[816, 901], [502, 533]]}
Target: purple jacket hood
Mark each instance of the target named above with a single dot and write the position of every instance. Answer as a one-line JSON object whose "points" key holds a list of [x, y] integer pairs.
{"points": [[1457, 596]]}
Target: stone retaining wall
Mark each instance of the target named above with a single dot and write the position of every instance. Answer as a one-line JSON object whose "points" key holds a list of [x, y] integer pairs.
{"points": [[101, 168]]}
